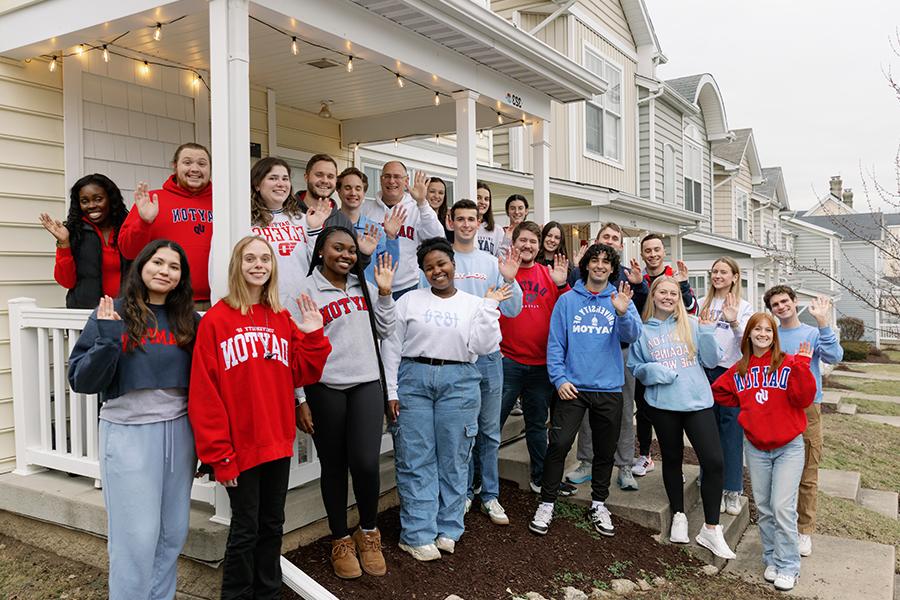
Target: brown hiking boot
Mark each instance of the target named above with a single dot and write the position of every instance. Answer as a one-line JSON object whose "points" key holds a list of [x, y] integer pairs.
{"points": [[370, 556], [343, 559]]}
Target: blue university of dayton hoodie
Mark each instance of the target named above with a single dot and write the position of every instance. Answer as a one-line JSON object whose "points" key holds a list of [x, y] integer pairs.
{"points": [[674, 380], [586, 333]]}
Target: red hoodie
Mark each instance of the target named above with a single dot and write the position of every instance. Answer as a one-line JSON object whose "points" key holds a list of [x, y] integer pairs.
{"points": [[184, 217], [771, 404], [525, 336], [244, 372]]}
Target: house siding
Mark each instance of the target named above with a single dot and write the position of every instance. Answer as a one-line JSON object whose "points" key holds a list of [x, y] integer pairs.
{"points": [[667, 126], [611, 14], [644, 149], [723, 208], [860, 263], [812, 250], [698, 122], [32, 180]]}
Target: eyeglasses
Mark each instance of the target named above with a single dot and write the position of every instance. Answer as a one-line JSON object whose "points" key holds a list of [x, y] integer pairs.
{"points": [[392, 176]]}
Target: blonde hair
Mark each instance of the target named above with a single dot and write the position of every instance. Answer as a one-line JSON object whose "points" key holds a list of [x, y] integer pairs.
{"points": [[735, 285], [683, 331], [238, 293]]}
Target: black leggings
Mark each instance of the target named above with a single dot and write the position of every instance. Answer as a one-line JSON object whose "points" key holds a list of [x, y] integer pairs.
{"points": [[347, 428], [644, 425], [700, 427]]}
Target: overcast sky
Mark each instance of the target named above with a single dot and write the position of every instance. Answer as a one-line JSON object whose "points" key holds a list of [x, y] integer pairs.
{"points": [[806, 75]]}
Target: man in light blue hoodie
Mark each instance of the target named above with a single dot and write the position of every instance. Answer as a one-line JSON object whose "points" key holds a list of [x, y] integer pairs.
{"points": [[588, 325]]}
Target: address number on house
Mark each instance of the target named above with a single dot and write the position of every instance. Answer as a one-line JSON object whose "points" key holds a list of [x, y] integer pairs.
{"points": [[513, 100]]}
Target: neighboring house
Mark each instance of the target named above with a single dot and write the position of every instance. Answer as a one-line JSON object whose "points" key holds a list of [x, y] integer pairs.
{"points": [[838, 201], [815, 264]]}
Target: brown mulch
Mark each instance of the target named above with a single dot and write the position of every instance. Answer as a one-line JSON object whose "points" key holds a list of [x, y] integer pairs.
{"points": [[490, 559], [846, 367]]}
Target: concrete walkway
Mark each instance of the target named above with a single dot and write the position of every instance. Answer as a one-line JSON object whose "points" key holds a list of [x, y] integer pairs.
{"points": [[850, 394], [883, 419], [839, 569], [853, 375]]}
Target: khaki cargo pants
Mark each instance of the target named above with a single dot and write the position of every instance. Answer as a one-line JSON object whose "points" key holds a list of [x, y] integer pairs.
{"points": [[809, 482]]}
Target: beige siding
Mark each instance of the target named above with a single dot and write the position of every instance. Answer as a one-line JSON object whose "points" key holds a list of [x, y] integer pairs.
{"points": [[620, 176], [723, 209], [31, 181], [644, 146], [501, 147], [259, 122], [668, 131], [700, 124], [506, 8], [305, 132], [610, 13]]}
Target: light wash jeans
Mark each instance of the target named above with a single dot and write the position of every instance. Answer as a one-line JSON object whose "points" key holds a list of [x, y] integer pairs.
{"points": [[775, 477], [532, 384], [147, 473], [433, 441], [487, 444]]}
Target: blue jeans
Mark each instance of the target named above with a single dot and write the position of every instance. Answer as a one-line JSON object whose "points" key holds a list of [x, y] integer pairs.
{"points": [[433, 441], [147, 472], [487, 444], [731, 436], [532, 384], [775, 477]]}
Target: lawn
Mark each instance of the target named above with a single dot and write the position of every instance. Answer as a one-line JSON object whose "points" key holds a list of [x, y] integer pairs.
{"points": [[886, 369], [846, 519], [854, 444], [874, 407], [865, 386]]}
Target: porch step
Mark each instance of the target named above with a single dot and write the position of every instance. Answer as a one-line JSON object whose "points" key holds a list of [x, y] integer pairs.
{"points": [[733, 527], [840, 484], [839, 568], [845, 408], [880, 501]]}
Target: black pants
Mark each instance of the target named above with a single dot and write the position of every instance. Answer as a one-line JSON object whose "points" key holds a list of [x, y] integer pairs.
{"points": [[605, 416], [644, 424], [347, 428], [252, 567], [700, 427]]}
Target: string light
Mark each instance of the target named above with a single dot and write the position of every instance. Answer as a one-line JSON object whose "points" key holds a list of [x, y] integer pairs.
{"points": [[437, 139], [481, 134], [157, 33], [105, 54], [145, 69], [295, 49], [350, 64], [400, 80], [195, 80], [80, 49], [437, 98], [396, 142], [499, 118], [53, 64]]}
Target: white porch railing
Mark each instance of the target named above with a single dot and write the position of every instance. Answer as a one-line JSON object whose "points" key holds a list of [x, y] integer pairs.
{"points": [[57, 428], [890, 332]]}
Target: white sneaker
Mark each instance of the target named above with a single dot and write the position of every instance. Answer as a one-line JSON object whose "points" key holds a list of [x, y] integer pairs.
{"points": [[805, 543], [445, 544], [784, 582], [422, 553], [468, 505], [770, 574], [733, 503], [516, 409], [714, 541], [580, 474], [495, 512], [534, 487], [642, 466], [679, 531], [540, 524], [722, 506], [601, 520]]}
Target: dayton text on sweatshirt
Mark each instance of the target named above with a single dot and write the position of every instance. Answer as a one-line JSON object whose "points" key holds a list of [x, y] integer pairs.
{"points": [[525, 336], [674, 379], [825, 345], [584, 345]]}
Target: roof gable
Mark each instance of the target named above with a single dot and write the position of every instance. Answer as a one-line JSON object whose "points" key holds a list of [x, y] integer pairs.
{"points": [[703, 91], [853, 228]]}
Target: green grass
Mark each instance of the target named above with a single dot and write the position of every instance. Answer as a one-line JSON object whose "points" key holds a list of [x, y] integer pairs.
{"points": [[846, 519], [874, 407], [854, 444], [894, 355], [867, 386]]}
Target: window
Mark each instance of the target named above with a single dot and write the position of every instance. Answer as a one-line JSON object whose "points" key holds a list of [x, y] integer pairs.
{"points": [[693, 177], [698, 284], [603, 115], [740, 207], [374, 175], [668, 173]]}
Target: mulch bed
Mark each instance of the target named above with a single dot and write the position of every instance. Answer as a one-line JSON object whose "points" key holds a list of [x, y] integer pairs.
{"points": [[490, 559]]}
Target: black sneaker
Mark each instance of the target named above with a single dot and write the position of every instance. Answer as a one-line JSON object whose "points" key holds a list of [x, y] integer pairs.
{"points": [[566, 489], [601, 520]]}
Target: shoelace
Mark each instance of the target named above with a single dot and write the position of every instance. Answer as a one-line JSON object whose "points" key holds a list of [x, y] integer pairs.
{"points": [[544, 514], [342, 549], [371, 543], [601, 513]]}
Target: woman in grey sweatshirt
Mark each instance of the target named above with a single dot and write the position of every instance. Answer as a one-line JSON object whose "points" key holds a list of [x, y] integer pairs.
{"points": [[344, 411]]}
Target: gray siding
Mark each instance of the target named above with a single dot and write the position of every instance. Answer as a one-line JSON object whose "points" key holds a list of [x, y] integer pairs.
{"points": [[859, 265], [812, 251], [668, 131], [644, 149], [700, 124]]}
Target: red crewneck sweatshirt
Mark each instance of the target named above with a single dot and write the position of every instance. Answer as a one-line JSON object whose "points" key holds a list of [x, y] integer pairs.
{"points": [[244, 372], [184, 217], [771, 403], [525, 336]]}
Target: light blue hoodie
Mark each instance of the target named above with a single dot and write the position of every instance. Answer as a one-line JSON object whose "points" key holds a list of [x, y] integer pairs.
{"points": [[674, 380], [585, 336]]}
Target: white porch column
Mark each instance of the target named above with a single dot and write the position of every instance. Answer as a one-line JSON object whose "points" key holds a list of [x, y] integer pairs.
{"points": [[466, 141], [229, 49], [540, 149], [677, 252]]}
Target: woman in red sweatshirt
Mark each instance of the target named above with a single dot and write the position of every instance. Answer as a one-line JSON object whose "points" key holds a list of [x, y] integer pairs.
{"points": [[249, 358], [772, 390], [180, 211]]}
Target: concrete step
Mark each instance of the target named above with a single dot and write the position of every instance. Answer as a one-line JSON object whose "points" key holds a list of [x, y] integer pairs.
{"points": [[881, 501], [878, 376], [839, 568], [840, 484], [845, 408], [883, 419], [832, 397], [853, 394], [733, 527]]}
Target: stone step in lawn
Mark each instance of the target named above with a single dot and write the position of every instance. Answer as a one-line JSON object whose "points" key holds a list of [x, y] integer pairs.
{"points": [[854, 394], [880, 501], [832, 397], [733, 527], [883, 419], [840, 484], [845, 408], [839, 568]]}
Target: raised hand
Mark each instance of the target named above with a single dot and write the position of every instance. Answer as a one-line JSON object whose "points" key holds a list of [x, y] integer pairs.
{"points": [[633, 272], [318, 210], [368, 242], [147, 207], [567, 391], [304, 418], [730, 308], [509, 263], [680, 271], [311, 318], [384, 273], [622, 299], [805, 349], [106, 311], [580, 254], [419, 187], [504, 292], [560, 271], [820, 309], [56, 229], [394, 221], [706, 318]]}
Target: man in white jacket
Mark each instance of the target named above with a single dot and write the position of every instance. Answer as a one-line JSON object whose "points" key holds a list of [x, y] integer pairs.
{"points": [[421, 220]]}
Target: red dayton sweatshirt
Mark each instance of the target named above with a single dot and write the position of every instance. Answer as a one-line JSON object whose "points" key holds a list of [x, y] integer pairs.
{"points": [[184, 217], [771, 403], [244, 372], [525, 336]]}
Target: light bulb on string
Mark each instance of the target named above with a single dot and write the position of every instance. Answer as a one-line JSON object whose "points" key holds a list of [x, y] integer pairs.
{"points": [[400, 80], [105, 54], [195, 81], [157, 33], [396, 143], [499, 118], [481, 134], [145, 68], [295, 49], [52, 65], [80, 49], [350, 64], [437, 98], [437, 139]]}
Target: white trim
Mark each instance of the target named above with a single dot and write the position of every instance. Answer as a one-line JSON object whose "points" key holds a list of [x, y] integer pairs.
{"points": [[651, 156], [202, 122], [73, 120], [619, 163], [685, 143], [612, 38], [271, 121]]}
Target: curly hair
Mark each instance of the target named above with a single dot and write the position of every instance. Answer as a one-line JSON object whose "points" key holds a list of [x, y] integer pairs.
{"points": [[595, 250], [117, 209], [439, 244]]}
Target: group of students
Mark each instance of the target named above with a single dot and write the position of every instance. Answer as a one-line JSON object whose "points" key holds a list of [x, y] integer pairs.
{"points": [[433, 317]]}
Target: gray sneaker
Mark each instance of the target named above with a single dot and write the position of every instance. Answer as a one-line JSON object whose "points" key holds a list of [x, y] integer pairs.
{"points": [[626, 479]]}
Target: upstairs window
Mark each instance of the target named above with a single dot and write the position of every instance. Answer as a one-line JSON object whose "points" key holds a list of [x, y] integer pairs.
{"points": [[603, 114], [740, 207], [693, 177]]}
